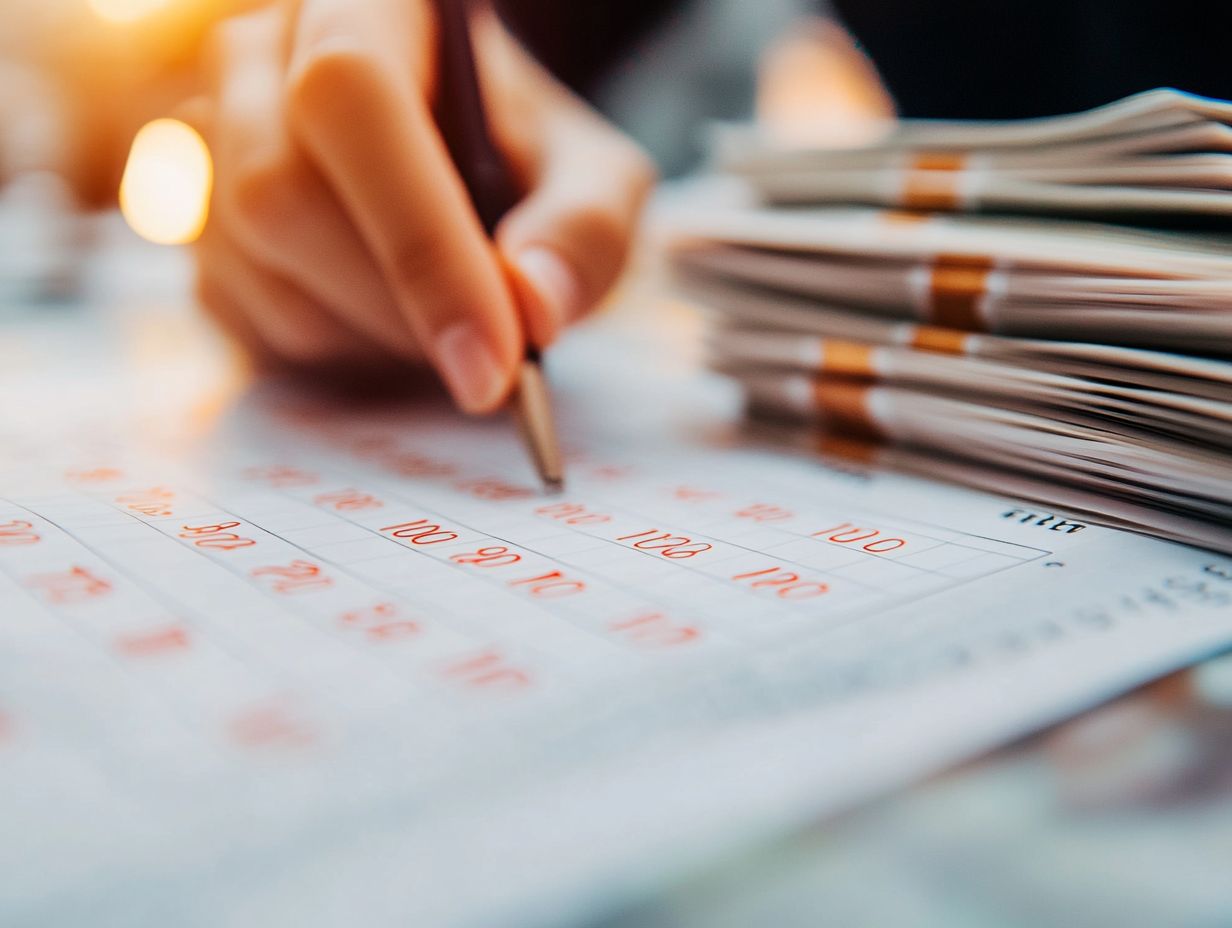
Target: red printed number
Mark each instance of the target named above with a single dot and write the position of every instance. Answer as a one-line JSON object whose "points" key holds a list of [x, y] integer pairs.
{"points": [[98, 475], [155, 501], [488, 671], [152, 644], [673, 546], [294, 578], [694, 495], [281, 477], [785, 584], [848, 534], [763, 512], [348, 501], [572, 514], [216, 537], [17, 533], [549, 586], [383, 622], [654, 631], [493, 489], [420, 532], [496, 556], [76, 585], [270, 727]]}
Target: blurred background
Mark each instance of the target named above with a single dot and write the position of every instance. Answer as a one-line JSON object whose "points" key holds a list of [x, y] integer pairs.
{"points": [[81, 79], [78, 77]]}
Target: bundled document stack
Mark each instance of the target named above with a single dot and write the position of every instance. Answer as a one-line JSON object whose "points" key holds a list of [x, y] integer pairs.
{"points": [[1085, 364], [1159, 153]]}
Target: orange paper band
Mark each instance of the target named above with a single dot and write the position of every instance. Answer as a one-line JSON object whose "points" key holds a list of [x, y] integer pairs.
{"points": [[931, 190], [957, 284], [901, 217], [847, 359], [943, 341], [846, 448], [844, 404], [938, 161], [932, 181]]}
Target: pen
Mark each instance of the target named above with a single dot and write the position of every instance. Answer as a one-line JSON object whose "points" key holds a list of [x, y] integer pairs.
{"points": [[463, 123]]}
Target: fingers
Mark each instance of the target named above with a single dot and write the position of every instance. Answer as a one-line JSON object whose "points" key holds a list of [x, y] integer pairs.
{"points": [[341, 227], [356, 108], [569, 240], [276, 206], [216, 298], [260, 306]]}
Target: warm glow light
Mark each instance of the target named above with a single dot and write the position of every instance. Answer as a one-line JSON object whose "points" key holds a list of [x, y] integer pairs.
{"points": [[165, 192], [126, 11], [817, 89]]}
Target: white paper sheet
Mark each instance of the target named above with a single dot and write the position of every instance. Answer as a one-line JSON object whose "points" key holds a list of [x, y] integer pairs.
{"points": [[264, 661]]}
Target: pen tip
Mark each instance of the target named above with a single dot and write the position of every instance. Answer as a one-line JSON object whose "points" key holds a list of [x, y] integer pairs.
{"points": [[554, 485]]}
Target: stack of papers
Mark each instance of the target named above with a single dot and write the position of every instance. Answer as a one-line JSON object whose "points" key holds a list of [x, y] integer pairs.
{"points": [[1158, 153], [1026, 277], [1080, 362]]}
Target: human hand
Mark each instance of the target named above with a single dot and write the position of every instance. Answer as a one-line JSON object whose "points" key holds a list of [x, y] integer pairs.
{"points": [[340, 234]]}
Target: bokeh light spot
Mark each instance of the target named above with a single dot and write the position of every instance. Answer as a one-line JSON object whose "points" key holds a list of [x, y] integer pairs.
{"points": [[165, 192]]}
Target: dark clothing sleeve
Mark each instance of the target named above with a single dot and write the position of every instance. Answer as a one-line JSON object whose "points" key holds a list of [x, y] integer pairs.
{"points": [[581, 41], [1007, 59], [980, 59]]}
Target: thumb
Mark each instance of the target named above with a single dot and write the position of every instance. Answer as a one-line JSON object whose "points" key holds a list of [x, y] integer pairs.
{"points": [[567, 242]]}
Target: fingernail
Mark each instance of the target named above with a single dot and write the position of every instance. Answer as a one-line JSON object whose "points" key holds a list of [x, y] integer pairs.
{"points": [[470, 368], [554, 281]]}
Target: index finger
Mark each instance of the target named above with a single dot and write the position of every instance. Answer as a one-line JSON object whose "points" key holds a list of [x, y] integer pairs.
{"points": [[357, 108]]}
